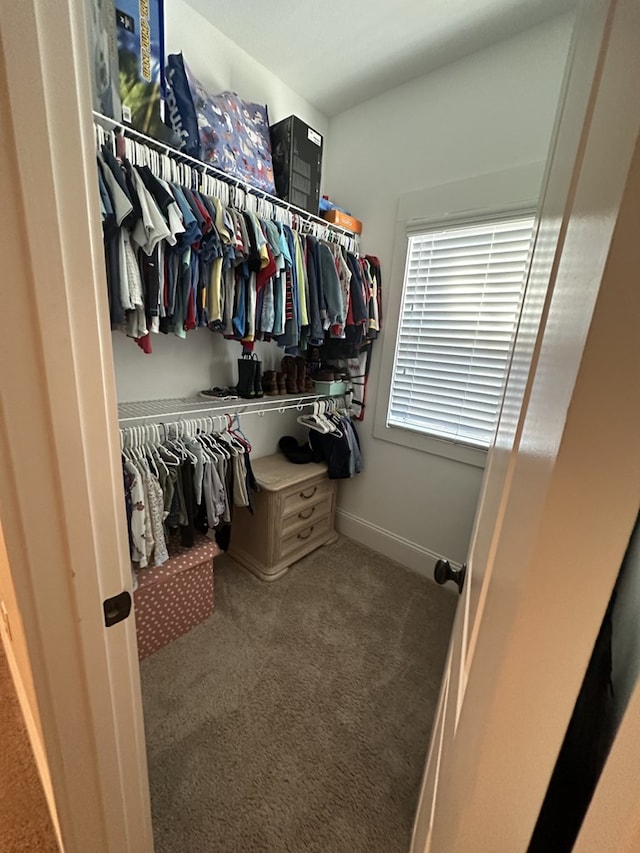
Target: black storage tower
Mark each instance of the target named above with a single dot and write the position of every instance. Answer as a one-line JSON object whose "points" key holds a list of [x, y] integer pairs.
{"points": [[296, 149]]}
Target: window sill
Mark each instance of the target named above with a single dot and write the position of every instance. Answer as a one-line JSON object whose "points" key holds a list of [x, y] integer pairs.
{"points": [[428, 444]]}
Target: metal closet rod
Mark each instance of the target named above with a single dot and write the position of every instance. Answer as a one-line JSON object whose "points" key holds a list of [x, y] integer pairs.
{"points": [[239, 408], [218, 173]]}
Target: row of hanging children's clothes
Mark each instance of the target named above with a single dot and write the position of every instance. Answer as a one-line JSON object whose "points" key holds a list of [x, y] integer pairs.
{"points": [[180, 258], [186, 483]]}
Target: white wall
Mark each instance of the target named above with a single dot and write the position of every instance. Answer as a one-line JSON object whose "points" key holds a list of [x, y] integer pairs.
{"points": [[181, 368], [221, 64], [486, 113]]}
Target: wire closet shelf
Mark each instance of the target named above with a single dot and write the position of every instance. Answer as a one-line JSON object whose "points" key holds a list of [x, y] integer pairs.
{"points": [[319, 226], [157, 411]]}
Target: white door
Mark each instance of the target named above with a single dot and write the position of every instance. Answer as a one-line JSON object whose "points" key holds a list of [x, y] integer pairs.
{"points": [[61, 505], [562, 485]]}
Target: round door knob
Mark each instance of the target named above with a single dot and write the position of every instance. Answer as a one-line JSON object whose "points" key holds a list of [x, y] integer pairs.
{"points": [[444, 572]]}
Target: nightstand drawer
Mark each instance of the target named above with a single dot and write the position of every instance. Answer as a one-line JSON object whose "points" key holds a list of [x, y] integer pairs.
{"points": [[311, 512], [293, 514], [299, 499], [303, 541]]}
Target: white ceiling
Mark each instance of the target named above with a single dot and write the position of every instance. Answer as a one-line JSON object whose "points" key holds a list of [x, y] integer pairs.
{"points": [[338, 53]]}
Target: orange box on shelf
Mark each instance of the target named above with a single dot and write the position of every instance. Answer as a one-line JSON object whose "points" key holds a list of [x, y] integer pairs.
{"points": [[337, 217]]}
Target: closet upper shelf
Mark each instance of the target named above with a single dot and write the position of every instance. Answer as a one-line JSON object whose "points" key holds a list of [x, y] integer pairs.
{"points": [[110, 124], [188, 407]]}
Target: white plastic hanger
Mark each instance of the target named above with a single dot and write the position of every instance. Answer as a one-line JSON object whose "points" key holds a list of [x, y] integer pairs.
{"points": [[314, 421], [153, 436]]}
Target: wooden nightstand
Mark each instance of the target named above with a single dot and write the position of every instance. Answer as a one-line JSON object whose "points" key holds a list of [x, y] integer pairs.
{"points": [[294, 513]]}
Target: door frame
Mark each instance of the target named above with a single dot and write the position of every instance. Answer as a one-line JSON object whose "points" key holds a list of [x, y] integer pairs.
{"points": [[61, 504], [570, 489]]}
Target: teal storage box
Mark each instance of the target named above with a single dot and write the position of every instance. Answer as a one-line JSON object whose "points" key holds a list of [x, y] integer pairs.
{"points": [[330, 389]]}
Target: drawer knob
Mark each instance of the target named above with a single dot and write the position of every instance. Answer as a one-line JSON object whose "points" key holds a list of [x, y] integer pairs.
{"points": [[309, 532], [311, 493], [308, 514]]}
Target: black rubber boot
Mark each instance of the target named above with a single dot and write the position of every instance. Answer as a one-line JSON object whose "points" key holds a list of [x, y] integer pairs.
{"points": [[257, 382], [246, 377]]}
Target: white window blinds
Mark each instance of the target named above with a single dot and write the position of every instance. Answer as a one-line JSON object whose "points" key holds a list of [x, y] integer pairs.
{"points": [[460, 307]]}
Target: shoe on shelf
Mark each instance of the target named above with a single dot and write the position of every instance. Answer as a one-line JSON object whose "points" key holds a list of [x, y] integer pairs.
{"points": [[219, 393], [323, 376], [290, 369], [301, 366], [269, 384], [247, 376], [257, 380], [281, 382]]}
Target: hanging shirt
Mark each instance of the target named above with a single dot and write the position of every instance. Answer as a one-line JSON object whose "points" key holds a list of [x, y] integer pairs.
{"points": [[155, 504], [280, 284], [111, 237], [191, 233], [375, 314], [221, 221], [316, 333], [301, 275], [240, 308], [344, 275], [174, 217], [114, 180], [139, 540], [330, 286], [131, 293], [358, 309], [163, 199], [261, 241], [150, 268], [214, 496], [152, 227]]}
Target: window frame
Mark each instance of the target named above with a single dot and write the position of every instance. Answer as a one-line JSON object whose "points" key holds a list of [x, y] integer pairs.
{"points": [[490, 220], [499, 195]]}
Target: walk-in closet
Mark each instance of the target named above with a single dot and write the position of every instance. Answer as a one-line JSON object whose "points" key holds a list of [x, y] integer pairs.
{"points": [[313, 318], [280, 658]]}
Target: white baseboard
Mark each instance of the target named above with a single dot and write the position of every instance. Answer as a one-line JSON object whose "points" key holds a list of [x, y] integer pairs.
{"points": [[33, 731], [407, 553]]}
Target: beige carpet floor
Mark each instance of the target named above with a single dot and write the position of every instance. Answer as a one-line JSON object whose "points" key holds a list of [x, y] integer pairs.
{"points": [[25, 823], [297, 718]]}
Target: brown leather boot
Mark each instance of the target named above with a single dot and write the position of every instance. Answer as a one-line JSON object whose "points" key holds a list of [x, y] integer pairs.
{"points": [[281, 381], [290, 369], [301, 366], [269, 384]]}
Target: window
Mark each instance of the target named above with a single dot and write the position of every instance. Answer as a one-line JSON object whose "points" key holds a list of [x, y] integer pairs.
{"points": [[461, 302]]}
